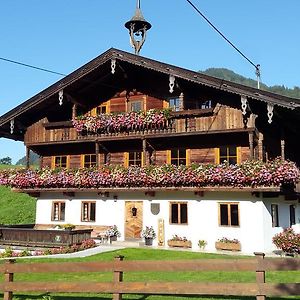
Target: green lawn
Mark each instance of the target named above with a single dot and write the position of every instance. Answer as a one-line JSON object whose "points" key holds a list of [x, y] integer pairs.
{"points": [[16, 208], [150, 254]]}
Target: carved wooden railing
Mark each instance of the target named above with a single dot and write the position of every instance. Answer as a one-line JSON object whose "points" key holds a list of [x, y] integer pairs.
{"points": [[220, 118]]}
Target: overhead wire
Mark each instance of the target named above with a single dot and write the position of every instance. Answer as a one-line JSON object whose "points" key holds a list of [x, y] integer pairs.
{"points": [[256, 66], [31, 66]]}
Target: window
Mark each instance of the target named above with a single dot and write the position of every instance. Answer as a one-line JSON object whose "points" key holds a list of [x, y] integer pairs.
{"points": [[135, 106], [89, 160], [88, 211], [102, 109], [274, 214], [292, 215], [229, 154], [60, 162], [58, 211], [174, 104], [206, 104], [133, 158], [229, 214], [178, 213], [178, 156]]}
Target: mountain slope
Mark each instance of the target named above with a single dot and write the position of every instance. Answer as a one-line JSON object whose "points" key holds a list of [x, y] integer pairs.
{"points": [[229, 75]]}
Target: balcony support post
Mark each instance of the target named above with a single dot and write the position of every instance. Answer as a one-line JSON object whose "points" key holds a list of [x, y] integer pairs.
{"points": [[145, 153], [97, 154], [27, 157], [251, 145]]}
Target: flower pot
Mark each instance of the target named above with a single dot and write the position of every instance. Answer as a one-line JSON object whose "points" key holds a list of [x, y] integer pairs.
{"points": [[112, 238], [228, 246], [148, 241], [183, 244]]}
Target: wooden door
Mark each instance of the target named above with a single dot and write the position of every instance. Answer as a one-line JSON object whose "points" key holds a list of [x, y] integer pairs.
{"points": [[133, 219]]}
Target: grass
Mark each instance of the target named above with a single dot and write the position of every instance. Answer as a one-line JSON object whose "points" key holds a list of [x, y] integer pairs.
{"points": [[150, 254], [16, 208]]}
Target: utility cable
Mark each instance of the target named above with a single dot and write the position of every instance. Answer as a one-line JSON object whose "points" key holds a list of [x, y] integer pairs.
{"points": [[224, 37], [30, 66]]}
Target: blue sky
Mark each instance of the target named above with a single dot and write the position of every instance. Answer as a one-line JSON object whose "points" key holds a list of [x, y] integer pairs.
{"points": [[62, 35]]}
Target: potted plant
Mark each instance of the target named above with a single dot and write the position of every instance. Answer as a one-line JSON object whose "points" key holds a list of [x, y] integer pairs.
{"points": [[148, 234], [202, 244], [113, 233], [228, 244], [178, 241]]}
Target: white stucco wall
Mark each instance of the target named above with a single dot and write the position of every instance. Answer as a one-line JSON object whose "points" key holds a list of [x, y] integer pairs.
{"points": [[255, 231]]}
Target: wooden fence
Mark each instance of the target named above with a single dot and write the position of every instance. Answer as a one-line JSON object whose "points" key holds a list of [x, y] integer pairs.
{"points": [[117, 287], [22, 236]]}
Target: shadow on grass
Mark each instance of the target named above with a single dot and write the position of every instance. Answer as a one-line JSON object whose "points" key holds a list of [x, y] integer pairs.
{"points": [[47, 296]]}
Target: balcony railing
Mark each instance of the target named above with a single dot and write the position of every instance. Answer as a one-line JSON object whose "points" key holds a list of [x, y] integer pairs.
{"points": [[202, 120]]}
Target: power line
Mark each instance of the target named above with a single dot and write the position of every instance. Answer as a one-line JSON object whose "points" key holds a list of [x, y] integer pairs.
{"points": [[30, 66], [224, 37]]}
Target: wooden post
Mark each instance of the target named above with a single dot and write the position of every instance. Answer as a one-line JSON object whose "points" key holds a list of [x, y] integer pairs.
{"points": [[27, 157], [8, 277], [74, 111], [260, 273], [282, 144], [251, 156], [97, 154], [118, 277], [145, 161], [181, 99]]}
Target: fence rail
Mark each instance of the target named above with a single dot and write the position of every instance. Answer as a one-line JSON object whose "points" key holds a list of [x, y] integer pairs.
{"points": [[117, 287]]}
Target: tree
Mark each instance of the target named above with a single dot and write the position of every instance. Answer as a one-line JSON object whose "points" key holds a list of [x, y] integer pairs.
{"points": [[5, 161]]}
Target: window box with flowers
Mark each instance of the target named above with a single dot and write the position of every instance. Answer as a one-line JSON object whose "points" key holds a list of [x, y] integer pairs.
{"points": [[228, 244], [113, 233], [178, 241], [149, 235]]}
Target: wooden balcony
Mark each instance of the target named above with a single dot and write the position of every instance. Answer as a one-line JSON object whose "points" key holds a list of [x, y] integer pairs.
{"points": [[200, 121]]}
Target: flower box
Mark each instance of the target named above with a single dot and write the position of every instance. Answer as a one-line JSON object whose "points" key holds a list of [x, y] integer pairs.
{"points": [[228, 246], [183, 244]]}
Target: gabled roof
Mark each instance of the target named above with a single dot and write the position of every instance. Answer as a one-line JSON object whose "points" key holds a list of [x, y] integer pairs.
{"points": [[100, 79]]}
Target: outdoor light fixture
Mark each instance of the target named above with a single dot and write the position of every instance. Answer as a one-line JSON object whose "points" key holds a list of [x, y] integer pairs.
{"points": [[137, 27]]}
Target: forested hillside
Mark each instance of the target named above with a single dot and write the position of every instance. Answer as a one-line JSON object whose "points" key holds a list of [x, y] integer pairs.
{"points": [[232, 76]]}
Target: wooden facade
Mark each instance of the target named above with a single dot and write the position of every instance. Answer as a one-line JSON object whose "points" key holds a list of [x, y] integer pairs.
{"points": [[199, 131]]}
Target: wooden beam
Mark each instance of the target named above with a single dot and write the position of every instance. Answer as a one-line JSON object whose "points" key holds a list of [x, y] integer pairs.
{"points": [[251, 145], [97, 154], [72, 99], [27, 157]]}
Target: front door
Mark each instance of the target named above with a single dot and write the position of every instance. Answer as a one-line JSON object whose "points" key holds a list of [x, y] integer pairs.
{"points": [[133, 219]]}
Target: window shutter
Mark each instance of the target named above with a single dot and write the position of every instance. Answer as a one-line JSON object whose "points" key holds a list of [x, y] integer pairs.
{"points": [[188, 157], [126, 159], [217, 155], [168, 154], [238, 155]]}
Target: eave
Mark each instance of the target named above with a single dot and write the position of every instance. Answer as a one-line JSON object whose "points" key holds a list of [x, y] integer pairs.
{"points": [[272, 189], [98, 70]]}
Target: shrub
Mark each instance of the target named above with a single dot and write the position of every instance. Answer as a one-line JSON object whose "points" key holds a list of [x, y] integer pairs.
{"points": [[288, 241]]}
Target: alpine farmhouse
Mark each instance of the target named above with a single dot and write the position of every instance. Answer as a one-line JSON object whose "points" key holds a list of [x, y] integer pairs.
{"points": [[129, 141]]}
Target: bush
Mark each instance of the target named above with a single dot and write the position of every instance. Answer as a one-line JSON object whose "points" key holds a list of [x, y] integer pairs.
{"points": [[288, 241]]}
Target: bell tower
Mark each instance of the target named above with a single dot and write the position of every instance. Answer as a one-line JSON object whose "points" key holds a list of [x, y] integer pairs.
{"points": [[137, 27]]}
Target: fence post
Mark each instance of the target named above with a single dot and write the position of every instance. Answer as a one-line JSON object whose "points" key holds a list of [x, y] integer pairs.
{"points": [[8, 277], [118, 277], [260, 273]]}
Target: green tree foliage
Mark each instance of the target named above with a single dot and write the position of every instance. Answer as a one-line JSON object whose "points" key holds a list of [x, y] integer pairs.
{"points": [[5, 161], [229, 75]]}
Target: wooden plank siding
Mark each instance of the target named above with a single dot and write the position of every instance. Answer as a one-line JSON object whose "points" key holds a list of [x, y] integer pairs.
{"points": [[118, 267], [201, 156]]}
